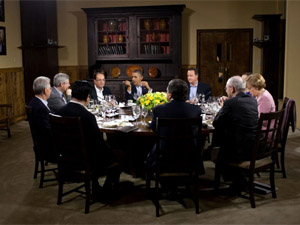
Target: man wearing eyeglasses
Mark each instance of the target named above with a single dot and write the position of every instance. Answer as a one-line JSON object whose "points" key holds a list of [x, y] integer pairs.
{"points": [[61, 86], [100, 90], [235, 131]]}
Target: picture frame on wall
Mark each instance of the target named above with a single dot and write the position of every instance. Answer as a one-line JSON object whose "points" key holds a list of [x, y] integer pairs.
{"points": [[2, 41], [1, 10]]}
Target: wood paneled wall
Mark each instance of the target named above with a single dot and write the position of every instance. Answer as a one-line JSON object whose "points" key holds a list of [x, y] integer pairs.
{"points": [[12, 89], [75, 72], [12, 92]]}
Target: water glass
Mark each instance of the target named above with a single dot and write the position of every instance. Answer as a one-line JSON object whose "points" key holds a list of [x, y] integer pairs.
{"points": [[136, 112], [144, 114]]}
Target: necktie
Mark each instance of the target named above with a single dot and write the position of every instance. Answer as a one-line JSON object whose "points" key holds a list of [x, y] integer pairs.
{"points": [[63, 97]]}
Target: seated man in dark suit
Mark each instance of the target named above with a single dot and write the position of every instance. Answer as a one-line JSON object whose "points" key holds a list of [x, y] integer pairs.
{"points": [[61, 86], [40, 117], [102, 159], [196, 87], [235, 128], [100, 90], [177, 93], [137, 87]]}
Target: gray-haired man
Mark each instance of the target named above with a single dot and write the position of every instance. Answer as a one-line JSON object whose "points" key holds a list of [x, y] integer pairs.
{"points": [[61, 86]]}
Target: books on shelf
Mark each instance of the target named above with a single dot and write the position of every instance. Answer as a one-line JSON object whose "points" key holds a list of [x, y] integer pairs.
{"points": [[112, 50]]}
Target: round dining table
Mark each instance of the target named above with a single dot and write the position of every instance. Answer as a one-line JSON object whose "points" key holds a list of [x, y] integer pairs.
{"points": [[137, 143]]}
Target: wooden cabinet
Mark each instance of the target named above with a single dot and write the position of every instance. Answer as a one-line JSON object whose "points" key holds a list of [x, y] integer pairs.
{"points": [[147, 36], [272, 45]]}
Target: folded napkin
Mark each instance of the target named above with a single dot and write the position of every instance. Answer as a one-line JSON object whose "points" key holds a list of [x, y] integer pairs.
{"points": [[127, 129], [116, 123], [110, 124]]}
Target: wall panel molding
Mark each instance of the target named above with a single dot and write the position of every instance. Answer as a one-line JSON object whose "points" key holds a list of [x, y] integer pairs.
{"points": [[12, 92], [75, 72]]}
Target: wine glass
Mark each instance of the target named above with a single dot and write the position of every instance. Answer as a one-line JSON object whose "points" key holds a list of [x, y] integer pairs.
{"points": [[103, 111], [135, 96], [144, 114], [136, 112]]}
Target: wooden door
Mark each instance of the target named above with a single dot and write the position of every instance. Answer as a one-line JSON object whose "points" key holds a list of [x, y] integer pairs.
{"points": [[227, 52]]}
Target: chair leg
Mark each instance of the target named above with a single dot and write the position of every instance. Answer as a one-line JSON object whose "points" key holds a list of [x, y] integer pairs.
{"points": [[277, 161], [60, 192], [272, 181], [88, 196], [8, 132], [148, 183], [156, 196], [42, 173], [195, 196], [217, 177], [282, 164], [251, 191], [36, 168]]}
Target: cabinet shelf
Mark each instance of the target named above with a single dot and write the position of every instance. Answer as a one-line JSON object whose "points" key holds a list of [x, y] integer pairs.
{"points": [[156, 31], [151, 38], [112, 32], [111, 43]]}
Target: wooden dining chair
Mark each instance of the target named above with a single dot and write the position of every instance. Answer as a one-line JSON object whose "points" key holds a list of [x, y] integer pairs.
{"points": [[5, 119], [73, 166], [289, 107], [40, 160], [177, 156], [263, 153]]}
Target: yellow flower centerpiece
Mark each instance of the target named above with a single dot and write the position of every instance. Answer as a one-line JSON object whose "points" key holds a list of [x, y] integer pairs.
{"points": [[150, 100]]}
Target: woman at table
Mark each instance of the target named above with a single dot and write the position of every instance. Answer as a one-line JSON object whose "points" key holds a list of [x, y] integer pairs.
{"points": [[256, 85]]}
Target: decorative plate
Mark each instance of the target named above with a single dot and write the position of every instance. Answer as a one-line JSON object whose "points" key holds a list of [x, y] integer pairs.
{"points": [[152, 71], [115, 72], [130, 69]]}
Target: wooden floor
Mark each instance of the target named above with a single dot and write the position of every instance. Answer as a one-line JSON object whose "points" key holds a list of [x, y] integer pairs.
{"points": [[22, 202]]}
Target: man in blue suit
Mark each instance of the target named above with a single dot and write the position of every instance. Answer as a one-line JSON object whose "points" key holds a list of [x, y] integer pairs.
{"points": [[40, 117], [196, 87], [137, 87]]}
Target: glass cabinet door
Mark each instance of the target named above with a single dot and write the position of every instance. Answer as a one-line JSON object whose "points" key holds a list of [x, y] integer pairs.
{"points": [[154, 37], [112, 37]]}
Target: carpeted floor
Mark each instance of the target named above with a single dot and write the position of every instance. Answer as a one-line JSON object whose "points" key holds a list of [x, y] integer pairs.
{"points": [[22, 202]]}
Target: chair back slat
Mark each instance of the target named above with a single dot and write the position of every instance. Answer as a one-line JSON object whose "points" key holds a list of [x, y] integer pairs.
{"points": [[177, 143], [69, 141], [267, 138], [289, 106]]}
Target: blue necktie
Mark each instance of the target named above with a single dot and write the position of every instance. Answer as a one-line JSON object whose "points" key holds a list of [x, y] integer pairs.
{"points": [[63, 97]]}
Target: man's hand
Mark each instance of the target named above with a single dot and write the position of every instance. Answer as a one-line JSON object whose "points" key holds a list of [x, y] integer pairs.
{"points": [[222, 100], [69, 91], [128, 84], [145, 84]]}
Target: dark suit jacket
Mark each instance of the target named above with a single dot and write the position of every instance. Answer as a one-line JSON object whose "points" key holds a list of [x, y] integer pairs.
{"points": [[42, 129], [55, 102], [106, 91], [99, 154], [202, 88], [173, 109], [133, 90], [235, 128]]}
